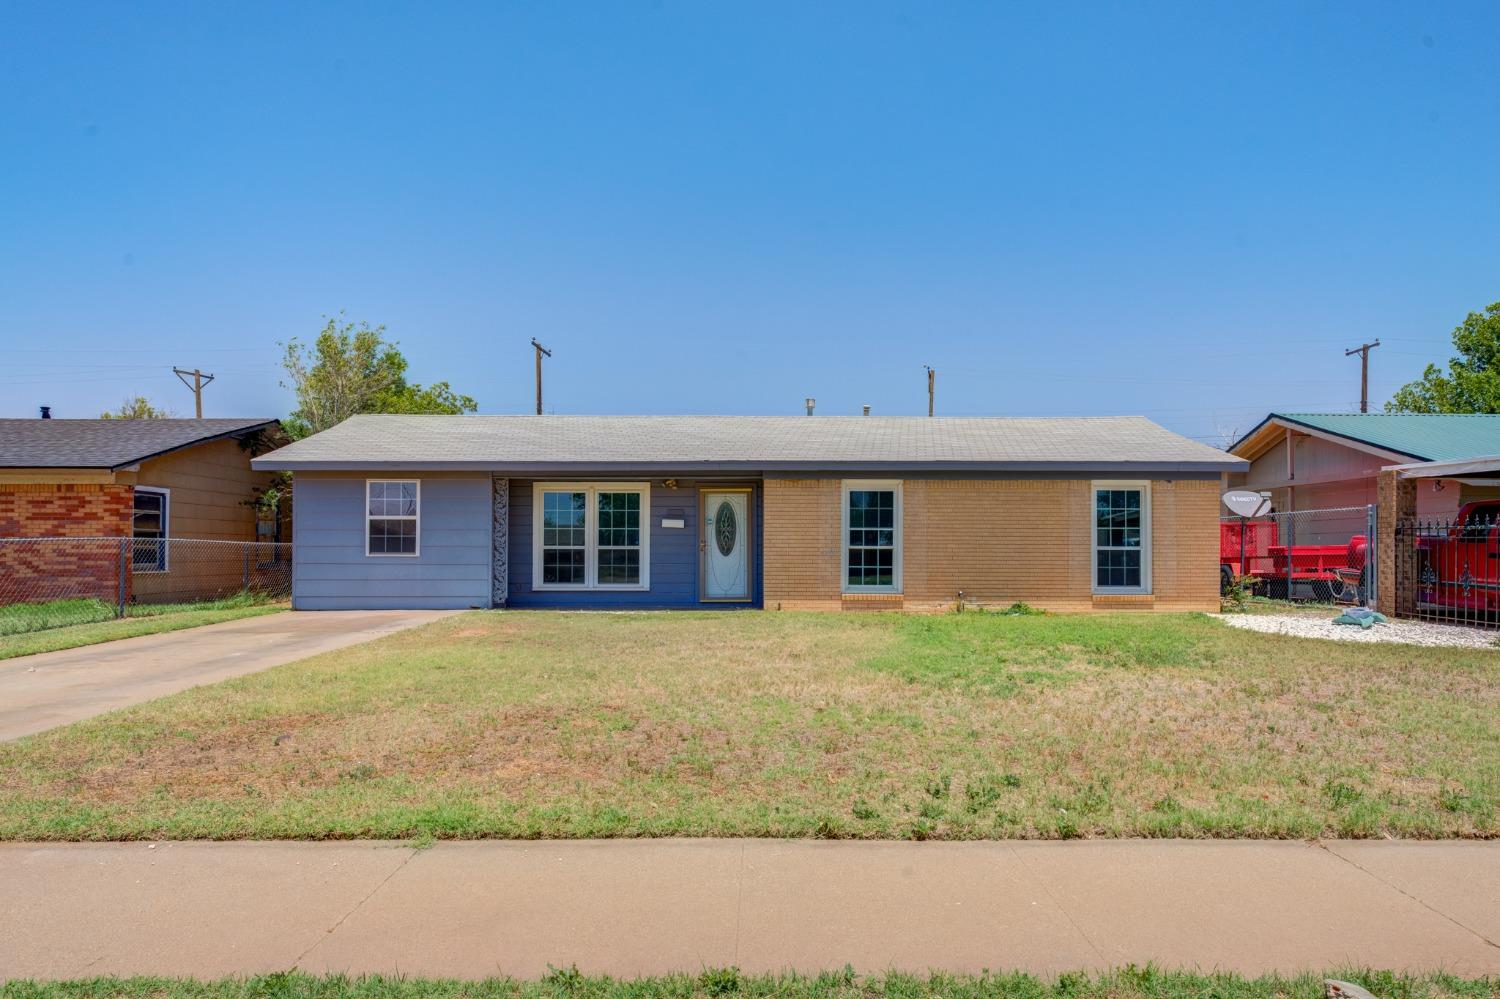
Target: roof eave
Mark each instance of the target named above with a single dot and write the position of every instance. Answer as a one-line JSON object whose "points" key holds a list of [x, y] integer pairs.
{"points": [[271, 463], [238, 432], [1276, 419]]}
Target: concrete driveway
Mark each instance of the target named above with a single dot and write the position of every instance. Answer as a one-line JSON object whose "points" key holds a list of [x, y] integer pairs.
{"points": [[55, 688]]}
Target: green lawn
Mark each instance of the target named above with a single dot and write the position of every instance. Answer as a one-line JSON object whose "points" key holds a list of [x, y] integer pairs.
{"points": [[544, 724], [1130, 983], [29, 628]]}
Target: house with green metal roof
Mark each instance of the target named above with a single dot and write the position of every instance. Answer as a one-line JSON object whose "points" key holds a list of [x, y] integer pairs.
{"points": [[1318, 461]]}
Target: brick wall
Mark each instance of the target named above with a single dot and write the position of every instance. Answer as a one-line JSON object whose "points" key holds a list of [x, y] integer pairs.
{"points": [[49, 570], [801, 561], [999, 541], [65, 511]]}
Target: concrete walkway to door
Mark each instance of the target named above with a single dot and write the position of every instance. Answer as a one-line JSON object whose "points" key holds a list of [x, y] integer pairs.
{"points": [[636, 907], [55, 688]]}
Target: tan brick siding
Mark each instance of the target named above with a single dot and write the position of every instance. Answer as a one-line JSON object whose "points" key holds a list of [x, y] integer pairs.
{"points": [[801, 526], [998, 541], [1185, 544]]}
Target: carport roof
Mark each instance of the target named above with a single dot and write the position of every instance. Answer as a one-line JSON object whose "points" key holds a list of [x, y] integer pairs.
{"points": [[684, 444]]}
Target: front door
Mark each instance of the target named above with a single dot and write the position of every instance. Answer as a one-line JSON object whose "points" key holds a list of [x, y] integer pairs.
{"points": [[725, 545]]}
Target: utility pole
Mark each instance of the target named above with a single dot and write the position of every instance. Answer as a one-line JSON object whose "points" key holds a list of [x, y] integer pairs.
{"points": [[540, 350], [931, 377], [199, 380], [1363, 350]]}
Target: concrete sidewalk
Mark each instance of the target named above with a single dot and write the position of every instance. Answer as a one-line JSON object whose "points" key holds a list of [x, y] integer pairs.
{"points": [[55, 688], [633, 907]]}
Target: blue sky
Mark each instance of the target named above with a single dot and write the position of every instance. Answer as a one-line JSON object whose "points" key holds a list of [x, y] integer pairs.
{"points": [[1183, 210]]}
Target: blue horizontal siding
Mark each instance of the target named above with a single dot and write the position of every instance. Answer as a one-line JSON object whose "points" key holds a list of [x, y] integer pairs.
{"points": [[674, 557], [330, 570]]}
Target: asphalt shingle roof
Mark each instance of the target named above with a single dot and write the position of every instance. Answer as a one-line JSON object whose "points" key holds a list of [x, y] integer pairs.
{"points": [[1423, 436], [769, 443], [106, 443]]}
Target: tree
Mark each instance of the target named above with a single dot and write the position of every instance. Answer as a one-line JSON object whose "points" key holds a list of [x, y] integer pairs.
{"points": [[1472, 384], [351, 369], [139, 408]]}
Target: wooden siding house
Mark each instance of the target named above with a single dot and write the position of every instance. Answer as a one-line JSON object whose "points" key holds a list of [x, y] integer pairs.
{"points": [[1322, 461], [158, 482], [831, 513]]}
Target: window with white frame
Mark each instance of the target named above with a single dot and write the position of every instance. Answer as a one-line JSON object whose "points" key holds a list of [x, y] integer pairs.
{"points": [[591, 536], [392, 511], [148, 529], [872, 537], [1122, 537]]}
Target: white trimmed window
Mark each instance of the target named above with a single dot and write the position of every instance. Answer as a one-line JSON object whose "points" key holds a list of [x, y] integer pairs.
{"points": [[1122, 537], [392, 510], [591, 536], [872, 536], [148, 529]]}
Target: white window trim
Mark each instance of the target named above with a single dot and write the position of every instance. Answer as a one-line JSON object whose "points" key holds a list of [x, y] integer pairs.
{"points": [[590, 535], [417, 517], [166, 528], [896, 559], [1144, 485]]}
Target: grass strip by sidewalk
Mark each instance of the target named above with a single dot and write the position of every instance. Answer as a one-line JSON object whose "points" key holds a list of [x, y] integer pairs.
{"points": [[140, 620], [1128, 983]]}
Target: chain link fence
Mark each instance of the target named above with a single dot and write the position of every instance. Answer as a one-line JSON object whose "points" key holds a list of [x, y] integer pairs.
{"points": [[1325, 556], [54, 582], [1449, 570]]}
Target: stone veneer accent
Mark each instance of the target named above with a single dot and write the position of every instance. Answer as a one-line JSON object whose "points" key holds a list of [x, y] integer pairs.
{"points": [[499, 540]]}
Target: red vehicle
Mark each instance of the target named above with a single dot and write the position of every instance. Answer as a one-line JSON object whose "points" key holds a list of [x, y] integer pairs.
{"points": [[1299, 572], [1459, 569]]}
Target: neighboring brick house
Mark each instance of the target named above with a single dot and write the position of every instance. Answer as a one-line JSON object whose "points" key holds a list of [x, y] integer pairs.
{"points": [[776, 512], [152, 480]]}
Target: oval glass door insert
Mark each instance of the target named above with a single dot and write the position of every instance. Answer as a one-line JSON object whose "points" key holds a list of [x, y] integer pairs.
{"points": [[725, 529]]}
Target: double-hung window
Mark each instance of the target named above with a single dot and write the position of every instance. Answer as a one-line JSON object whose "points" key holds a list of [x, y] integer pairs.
{"points": [[591, 536], [872, 537], [392, 510], [148, 529], [1122, 537]]}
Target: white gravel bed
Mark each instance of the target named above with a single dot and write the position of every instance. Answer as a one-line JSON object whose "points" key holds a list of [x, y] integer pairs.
{"points": [[1406, 632]]}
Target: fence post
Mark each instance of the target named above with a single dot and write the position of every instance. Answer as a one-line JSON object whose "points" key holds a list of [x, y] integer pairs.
{"points": [[124, 574], [245, 585], [1372, 557]]}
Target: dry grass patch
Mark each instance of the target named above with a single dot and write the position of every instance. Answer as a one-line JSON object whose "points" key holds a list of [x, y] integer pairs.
{"points": [[975, 726]]}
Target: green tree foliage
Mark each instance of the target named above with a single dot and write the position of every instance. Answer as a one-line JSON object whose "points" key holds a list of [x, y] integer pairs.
{"points": [[1472, 382], [351, 369], [139, 408]]}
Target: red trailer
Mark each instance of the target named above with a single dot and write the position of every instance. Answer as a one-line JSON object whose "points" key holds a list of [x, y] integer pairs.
{"points": [[1251, 549]]}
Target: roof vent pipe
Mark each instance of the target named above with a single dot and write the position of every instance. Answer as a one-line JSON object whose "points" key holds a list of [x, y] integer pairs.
{"points": [[867, 410], [811, 402], [46, 412]]}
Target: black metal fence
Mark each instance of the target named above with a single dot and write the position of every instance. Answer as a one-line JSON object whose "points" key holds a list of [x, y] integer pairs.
{"points": [[1449, 570], [1305, 555], [52, 582]]}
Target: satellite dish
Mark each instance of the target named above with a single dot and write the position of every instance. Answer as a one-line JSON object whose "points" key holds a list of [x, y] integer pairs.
{"points": [[1246, 503]]}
